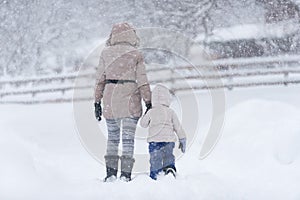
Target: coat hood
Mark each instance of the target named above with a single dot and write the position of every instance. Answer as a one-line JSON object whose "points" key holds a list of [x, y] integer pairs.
{"points": [[161, 95], [123, 33]]}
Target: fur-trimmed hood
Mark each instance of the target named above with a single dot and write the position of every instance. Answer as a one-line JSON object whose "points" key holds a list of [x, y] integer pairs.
{"points": [[161, 95], [123, 33]]}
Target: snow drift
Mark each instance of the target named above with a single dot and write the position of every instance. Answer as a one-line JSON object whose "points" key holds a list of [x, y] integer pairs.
{"points": [[257, 156]]}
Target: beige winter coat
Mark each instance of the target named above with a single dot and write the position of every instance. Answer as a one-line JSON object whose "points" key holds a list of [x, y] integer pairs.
{"points": [[162, 120], [121, 60]]}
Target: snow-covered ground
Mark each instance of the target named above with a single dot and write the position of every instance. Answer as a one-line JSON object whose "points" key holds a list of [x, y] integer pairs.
{"points": [[257, 157]]}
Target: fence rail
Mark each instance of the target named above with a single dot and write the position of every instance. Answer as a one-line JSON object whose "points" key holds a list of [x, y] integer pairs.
{"points": [[234, 73]]}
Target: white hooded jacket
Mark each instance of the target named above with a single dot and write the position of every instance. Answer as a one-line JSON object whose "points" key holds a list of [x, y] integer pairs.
{"points": [[162, 121]]}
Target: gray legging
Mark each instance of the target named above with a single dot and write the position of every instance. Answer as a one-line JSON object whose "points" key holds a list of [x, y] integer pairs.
{"points": [[128, 133]]}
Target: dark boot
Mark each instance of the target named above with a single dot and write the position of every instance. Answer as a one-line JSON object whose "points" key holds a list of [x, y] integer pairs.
{"points": [[111, 167], [126, 167], [170, 169]]}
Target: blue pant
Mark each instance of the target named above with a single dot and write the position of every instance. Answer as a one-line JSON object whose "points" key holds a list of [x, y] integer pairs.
{"points": [[161, 157]]}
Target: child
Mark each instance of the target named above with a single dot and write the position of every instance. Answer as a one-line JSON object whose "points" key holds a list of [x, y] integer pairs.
{"points": [[162, 122]]}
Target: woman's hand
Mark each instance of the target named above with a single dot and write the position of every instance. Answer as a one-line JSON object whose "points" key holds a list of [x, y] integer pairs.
{"points": [[148, 106], [98, 110]]}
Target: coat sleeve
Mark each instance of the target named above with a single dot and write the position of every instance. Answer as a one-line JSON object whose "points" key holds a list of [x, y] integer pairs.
{"points": [[177, 126], [142, 80], [145, 120], [100, 80]]}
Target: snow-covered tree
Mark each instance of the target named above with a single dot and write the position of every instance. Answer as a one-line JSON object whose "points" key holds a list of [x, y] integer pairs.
{"points": [[53, 36]]}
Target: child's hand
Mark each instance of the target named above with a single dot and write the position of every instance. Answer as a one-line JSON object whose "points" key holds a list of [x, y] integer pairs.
{"points": [[182, 144]]}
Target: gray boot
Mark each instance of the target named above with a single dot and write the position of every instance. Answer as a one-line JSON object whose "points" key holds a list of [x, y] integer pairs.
{"points": [[111, 167], [126, 167]]}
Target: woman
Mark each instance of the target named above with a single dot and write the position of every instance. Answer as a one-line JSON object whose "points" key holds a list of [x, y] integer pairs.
{"points": [[121, 83]]}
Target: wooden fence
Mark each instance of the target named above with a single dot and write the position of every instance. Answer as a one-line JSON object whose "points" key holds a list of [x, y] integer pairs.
{"points": [[227, 74]]}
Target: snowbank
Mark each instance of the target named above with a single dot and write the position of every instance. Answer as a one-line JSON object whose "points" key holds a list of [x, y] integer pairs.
{"points": [[258, 153], [257, 157]]}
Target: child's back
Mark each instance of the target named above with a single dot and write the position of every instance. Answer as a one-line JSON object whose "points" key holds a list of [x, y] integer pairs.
{"points": [[161, 119]]}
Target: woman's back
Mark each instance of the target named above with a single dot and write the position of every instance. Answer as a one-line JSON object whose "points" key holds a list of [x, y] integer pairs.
{"points": [[120, 61], [121, 77]]}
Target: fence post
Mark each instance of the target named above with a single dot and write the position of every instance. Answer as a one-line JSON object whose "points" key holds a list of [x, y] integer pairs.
{"points": [[286, 77], [230, 78]]}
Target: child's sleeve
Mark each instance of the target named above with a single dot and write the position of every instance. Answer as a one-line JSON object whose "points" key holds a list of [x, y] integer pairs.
{"points": [[177, 126], [145, 120]]}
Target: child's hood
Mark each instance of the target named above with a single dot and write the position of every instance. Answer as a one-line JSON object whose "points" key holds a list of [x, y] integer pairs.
{"points": [[161, 95]]}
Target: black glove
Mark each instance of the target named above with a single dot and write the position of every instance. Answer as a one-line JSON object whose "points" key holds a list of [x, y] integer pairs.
{"points": [[148, 106], [98, 110]]}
